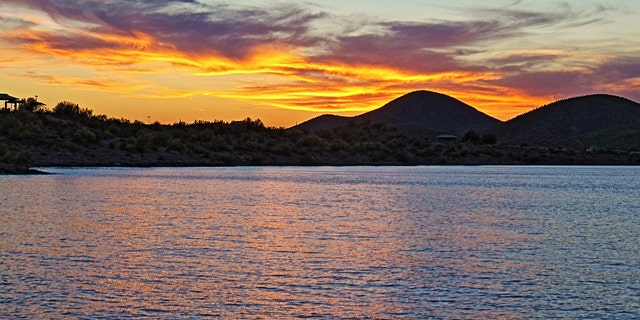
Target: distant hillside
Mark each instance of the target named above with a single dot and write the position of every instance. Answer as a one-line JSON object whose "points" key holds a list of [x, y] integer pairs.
{"points": [[323, 122], [434, 111], [598, 121], [418, 110]]}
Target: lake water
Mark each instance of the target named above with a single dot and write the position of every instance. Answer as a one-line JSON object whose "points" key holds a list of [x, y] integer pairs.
{"points": [[336, 243]]}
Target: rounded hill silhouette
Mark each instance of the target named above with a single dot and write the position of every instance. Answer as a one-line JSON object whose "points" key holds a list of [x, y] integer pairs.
{"points": [[419, 109], [598, 120]]}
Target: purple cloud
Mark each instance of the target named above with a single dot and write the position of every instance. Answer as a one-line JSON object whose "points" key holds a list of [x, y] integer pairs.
{"points": [[195, 29], [200, 29], [542, 83], [620, 68], [422, 47], [565, 83]]}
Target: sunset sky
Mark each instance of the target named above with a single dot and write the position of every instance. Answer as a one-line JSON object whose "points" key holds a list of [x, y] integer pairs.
{"points": [[288, 61]]}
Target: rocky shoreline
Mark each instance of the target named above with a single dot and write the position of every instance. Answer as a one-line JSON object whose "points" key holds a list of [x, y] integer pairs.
{"points": [[8, 169]]}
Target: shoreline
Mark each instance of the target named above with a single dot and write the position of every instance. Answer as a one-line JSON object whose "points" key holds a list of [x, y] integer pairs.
{"points": [[6, 170], [42, 170]]}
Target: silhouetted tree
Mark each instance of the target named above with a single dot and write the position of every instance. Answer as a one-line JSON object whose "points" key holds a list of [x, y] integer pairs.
{"points": [[31, 105], [70, 109], [84, 135], [471, 136], [489, 138]]}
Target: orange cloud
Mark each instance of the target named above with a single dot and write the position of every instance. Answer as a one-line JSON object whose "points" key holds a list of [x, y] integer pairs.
{"points": [[138, 48], [82, 83]]}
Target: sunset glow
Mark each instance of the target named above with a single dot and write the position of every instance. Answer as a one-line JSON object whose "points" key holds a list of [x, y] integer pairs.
{"points": [[286, 62]]}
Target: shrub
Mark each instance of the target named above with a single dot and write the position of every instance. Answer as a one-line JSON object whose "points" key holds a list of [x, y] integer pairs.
{"points": [[130, 144], [18, 158], [489, 139], [69, 109], [84, 136], [402, 156], [307, 160], [31, 105], [176, 145], [471, 136], [310, 140]]}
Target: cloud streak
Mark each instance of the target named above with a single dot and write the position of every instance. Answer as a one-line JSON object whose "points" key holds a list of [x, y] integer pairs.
{"points": [[349, 66]]}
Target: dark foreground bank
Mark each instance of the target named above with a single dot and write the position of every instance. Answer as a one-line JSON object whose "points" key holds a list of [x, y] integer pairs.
{"points": [[69, 137], [7, 169]]}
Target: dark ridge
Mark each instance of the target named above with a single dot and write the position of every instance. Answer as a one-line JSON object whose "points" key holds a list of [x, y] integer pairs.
{"points": [[427, 110], [598, 121], [434, 111], [324, 122]]}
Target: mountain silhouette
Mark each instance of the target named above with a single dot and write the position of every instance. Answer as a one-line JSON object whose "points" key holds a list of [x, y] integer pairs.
{"points": [[424, 110], [598, 121]]}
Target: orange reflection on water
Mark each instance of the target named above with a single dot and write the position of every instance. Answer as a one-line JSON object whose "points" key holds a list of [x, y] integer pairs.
{"points": [[281, 242]]}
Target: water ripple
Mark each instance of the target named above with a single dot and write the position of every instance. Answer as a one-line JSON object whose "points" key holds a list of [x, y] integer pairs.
{"points": [[339, 243]]}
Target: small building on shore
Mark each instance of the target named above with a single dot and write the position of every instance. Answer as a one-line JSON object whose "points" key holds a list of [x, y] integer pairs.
{"points": [[447, 138], [9, 100]]}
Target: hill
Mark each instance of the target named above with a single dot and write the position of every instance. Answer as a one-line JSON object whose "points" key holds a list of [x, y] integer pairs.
{"points": [[596, 121], [324, 122], [416, 111]]}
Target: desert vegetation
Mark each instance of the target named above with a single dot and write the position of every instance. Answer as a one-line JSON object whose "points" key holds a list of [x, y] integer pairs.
{"points": [[71, 135]]}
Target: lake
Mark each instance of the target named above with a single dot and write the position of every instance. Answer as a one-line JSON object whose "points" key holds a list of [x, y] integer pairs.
{"points": [[495, 242]]}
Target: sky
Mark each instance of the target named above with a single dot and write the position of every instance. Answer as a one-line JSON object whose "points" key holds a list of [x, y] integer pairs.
{"points": [[285, 62]]}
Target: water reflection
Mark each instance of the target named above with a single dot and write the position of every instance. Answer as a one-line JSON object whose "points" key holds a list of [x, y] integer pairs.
{"points": [[476, 242]]}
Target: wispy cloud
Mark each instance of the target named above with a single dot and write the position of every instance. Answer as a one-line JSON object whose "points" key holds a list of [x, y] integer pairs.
{"points": [[168, 26], [348, 66], [102, 84]]}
